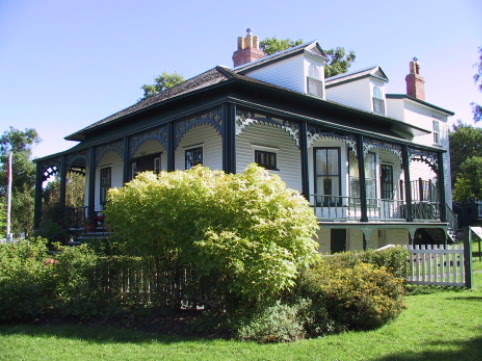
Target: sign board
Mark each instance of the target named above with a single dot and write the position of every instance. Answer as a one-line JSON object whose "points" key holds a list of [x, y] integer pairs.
{"points": [[477, 231]]}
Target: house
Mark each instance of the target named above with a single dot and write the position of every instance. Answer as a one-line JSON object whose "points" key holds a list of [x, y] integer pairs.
{"points": [[374, 166]]}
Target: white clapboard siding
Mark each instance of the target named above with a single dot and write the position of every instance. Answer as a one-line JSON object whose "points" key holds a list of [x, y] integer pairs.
{"points": [[355, 94], [436, 265], [287, 73], [272, 139], [202, 136]]}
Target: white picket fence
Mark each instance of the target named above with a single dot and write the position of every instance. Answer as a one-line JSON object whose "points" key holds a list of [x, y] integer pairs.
{"points": [[437, 265]]}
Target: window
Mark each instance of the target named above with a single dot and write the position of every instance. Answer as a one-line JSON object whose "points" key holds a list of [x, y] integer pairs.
{"points": [[370, 178], [386, 181], [105, 183], [436, 131], [314, 84], [378, 101], [194, 156], [150, 162], [265, 159], [327, 176]]}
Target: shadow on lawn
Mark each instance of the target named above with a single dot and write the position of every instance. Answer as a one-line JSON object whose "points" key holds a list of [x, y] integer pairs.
{"points": [[470, 350], [94, 334]]}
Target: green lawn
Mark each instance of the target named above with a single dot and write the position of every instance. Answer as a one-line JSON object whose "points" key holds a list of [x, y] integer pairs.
{"points": [[442, 326]]}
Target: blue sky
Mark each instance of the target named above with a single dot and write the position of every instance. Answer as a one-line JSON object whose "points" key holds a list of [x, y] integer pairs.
{"points": [[65, 64]]}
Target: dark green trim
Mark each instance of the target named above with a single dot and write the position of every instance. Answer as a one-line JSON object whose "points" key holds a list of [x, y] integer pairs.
{"points": [[408, 186], [38, 196], [127, 162], [305, 182], [361, 171], [91, 183], [327, 86], [171, 149], [229, 138], [441, 186], [63, 182], [423, 102]]}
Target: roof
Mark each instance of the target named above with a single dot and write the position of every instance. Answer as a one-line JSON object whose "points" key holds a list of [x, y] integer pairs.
{"points": [[206, 79], [312, 48], [408, 97], [372, 71]]}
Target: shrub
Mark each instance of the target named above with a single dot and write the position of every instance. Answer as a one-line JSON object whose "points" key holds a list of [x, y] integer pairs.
{"points": [[246, 235], [394, 259], [277, 323], [26, 286], [359, 296]]}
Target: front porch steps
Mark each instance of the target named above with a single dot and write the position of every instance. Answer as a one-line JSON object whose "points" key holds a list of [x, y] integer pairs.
{"points": [[80, 235]]}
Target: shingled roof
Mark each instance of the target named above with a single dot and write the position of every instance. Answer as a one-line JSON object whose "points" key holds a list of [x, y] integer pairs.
{"points": [[206, 79]]}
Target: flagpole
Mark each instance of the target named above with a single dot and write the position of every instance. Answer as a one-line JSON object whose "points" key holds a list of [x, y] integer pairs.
{"points": [[9, 196]]}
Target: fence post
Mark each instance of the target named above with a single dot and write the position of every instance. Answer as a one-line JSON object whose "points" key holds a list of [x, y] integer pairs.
{"points": [[468, 259]]}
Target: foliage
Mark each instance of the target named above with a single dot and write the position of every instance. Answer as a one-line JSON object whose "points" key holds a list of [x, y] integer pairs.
{"points": [[465, 142], [246, 235], [477, 109], [161, 83], [20, 143], [3, 218], [354, 296], [339, 61], [275, 45], [469, 183], [277, 323]]}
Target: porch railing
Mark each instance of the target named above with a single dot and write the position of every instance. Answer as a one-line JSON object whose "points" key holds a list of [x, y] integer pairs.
{"points": [[343, 208]]}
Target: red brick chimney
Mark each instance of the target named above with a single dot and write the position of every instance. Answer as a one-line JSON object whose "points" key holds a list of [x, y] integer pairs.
{"points": [[248, 50], [415, 82]]}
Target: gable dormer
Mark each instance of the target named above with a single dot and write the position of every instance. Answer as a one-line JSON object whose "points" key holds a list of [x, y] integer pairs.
{"points": [[300, 68], [363, 89]]}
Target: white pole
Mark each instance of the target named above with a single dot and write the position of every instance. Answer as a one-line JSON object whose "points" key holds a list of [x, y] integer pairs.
{"points": [[9, 196]]}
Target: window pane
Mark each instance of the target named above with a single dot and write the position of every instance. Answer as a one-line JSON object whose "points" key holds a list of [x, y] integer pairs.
{"points": [[353, 164], [370, 171], [320, 160], [333, 163], [194, 157]]}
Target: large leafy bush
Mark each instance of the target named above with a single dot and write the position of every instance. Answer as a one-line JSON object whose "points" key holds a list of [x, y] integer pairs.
{"points": [[246, 235]]}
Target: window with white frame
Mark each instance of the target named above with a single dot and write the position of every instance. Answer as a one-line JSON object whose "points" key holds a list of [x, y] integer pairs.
{"points": [[436, 131], [378, 101], [327, 176], [146, 163], [370, 178], [314, 84], [193, 157]]}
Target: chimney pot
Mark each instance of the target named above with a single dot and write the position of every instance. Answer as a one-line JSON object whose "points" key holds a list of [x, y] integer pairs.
{"points": [[248, 49]]}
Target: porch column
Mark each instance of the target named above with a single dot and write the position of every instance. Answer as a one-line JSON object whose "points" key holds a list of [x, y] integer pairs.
{"points": [[229, 138], [441, 186], [38, 196], [63, 184], [91, 182], [171, 149], [305, 181], [361, 170], [408, 186], [126, 173]]}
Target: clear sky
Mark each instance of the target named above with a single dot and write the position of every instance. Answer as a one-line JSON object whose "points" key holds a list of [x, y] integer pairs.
{"points": [[65, 64]]}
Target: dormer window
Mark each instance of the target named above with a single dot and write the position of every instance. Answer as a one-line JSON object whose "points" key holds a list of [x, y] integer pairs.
{"points": [[314, 84], [378, 101]]}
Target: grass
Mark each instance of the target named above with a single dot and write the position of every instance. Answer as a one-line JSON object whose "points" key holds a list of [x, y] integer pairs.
{"points": [[445, 325]]}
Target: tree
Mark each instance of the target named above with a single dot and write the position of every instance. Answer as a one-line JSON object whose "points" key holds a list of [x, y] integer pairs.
{"points": [[339, 60], [469, 183], [20, 143], [465, 142], [246, 235], [161, 83], [477, 109]]}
